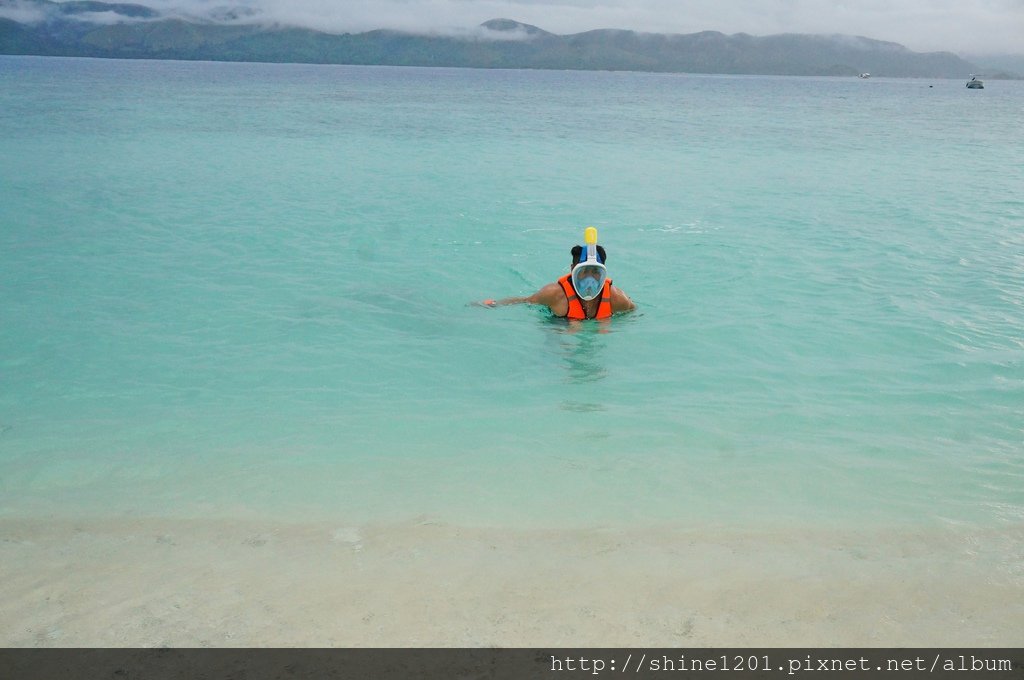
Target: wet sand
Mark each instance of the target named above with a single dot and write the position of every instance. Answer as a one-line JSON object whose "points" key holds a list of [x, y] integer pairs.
{"points": [[184, 583]]}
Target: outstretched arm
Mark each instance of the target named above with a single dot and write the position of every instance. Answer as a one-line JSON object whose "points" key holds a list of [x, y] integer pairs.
{"points": [[504, 301], [548, 296]]}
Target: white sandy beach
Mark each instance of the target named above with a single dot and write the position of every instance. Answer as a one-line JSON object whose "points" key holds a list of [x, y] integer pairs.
{"points": [[151, 582]]}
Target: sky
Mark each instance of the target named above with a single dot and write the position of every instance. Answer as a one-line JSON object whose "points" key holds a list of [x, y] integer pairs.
{"points": [[962, 26]]}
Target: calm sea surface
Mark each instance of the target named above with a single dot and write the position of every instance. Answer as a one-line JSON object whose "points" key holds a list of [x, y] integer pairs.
{"points": [[240, 290]]}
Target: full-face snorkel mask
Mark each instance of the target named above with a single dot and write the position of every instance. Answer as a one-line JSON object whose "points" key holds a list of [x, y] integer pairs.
{"points": [[589, 274]]}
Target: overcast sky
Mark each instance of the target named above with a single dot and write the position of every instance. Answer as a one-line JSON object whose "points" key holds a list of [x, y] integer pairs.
{"points": [[963, 26]]}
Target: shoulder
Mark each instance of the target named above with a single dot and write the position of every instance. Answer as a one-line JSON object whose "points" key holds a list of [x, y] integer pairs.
{"points": [[620, 301], [553, 297], [550, 293]]}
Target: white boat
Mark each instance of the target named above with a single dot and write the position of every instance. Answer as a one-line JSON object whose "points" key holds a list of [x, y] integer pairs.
{"points": [[975, 84], [864, 75]]}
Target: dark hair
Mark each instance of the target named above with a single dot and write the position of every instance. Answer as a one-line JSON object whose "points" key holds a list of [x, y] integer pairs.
{"points": [[577, 255]]}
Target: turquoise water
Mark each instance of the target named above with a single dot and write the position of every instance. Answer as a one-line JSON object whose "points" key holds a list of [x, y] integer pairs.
{"points": [[240, 290]]}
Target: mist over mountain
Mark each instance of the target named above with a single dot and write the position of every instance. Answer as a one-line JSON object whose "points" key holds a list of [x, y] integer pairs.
{"points": [[122, 30], [998, 63]]}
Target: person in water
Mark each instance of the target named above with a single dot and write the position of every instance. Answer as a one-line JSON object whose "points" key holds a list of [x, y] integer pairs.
{"points": [[585, 293]]}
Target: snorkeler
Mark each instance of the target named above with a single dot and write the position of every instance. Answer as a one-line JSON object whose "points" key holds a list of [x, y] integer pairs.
{"points": [[585, 293]]}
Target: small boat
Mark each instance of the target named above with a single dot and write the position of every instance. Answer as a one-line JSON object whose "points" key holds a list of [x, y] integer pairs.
{"points": [[864, 75], [975, 84]]}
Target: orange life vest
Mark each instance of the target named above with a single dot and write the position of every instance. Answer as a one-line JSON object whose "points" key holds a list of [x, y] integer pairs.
{"points": [[576, 311]]}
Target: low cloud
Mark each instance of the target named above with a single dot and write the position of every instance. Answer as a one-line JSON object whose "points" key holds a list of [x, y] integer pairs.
{"points": [[28, 12], [107, 18], [22, 12]]}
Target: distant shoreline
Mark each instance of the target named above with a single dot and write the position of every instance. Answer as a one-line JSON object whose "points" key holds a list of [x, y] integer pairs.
{"points": [[498, 68]]}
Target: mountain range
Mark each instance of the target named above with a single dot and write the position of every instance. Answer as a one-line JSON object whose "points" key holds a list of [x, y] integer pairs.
{"points": [[87, 28]]}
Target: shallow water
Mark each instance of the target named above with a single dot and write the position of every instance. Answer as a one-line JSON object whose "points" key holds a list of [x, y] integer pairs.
{"points": [[240, 290]]}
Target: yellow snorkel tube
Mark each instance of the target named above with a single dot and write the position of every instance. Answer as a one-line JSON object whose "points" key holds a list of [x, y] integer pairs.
{"points": [[589, 274]]}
